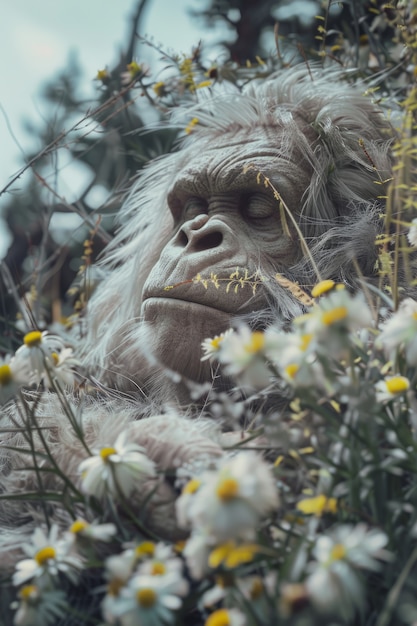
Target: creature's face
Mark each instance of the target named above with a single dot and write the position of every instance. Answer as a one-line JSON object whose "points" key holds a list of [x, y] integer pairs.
{"points": [[227, 227]]}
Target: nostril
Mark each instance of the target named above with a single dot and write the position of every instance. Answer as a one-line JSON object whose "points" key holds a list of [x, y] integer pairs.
{"points": [[182, 239], [211, 240]]}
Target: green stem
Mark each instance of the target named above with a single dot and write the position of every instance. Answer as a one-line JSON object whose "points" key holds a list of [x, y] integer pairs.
{"points": [[395, 591]]}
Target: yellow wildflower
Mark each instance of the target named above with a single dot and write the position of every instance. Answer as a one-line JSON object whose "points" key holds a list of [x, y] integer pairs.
{"points": [[318, 505]]}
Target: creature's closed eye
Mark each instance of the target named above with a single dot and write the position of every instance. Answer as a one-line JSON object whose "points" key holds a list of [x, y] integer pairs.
{"points": [[258, 206]]}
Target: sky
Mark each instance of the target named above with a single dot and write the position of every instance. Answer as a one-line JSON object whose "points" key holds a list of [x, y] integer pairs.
{"points": [[37, 37]]}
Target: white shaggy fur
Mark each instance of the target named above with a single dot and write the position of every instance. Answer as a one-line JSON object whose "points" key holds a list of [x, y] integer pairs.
{"points": [[344, 139]]}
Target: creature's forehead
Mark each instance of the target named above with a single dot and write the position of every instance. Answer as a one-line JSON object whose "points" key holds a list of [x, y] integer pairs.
{"points": [[230, 163]]}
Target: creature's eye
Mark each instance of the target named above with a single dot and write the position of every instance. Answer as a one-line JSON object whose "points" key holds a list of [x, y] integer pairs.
{"points": [[192, 207], [258, 206]]}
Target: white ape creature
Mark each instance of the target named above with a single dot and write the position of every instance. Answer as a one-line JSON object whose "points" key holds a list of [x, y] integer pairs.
{"points": [[288, 163]]}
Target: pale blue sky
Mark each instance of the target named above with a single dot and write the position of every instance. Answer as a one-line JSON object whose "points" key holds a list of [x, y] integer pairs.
{"points": [[37, 36]]}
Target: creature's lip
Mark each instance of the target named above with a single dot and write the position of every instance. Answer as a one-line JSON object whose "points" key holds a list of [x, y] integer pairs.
{"points": [[184, 301], [231, 301]]}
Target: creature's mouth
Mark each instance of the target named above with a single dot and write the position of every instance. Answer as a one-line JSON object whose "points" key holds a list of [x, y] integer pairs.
{"points": [[232, 294], [157, 300]]}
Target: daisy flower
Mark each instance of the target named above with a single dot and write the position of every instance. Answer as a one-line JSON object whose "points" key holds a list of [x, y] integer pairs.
{"points": [[211, 347], [226, 617], [333, 320], [400, 332], [356, 545], [118, 569], [412, 233], [147, 600], [145, 558], [36, 347], [283, 348], [334, 583], [133, 71], [82, 534], [12, 376], [322, 287], [196, 553], [160, 563], [38, 607], [48, 557], [294, 356], [116, 470], [61, 368], [259, 591], [231, 501], [391, 387], [336, 589], [219, 592], [185, 501], [243, 355]]}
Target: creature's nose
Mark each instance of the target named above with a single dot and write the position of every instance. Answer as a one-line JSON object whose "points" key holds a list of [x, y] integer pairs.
{"points": [[201, 234]]}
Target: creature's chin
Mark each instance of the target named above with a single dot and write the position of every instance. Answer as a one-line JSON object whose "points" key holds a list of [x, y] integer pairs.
{"points": [[177, 329]]}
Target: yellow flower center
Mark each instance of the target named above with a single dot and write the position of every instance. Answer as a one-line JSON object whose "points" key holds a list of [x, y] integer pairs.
{"points": [[114, 586], [190, 126], [186, 66], [335, 315], [106, 452], [227, 489], [32, 339], [323, 287], [291, 370], [218, 618], [257, 589], [191, 486], [134, 69], [102, 75], [338, 552], [78, 526], [256, 343], [159, 88], [305, 341], [146, 548], [146, 598], [158, 569], [55, 358], [27, 592], [179, 546], [44, 555], [6, 375], [216, 341], [397, 384], [414, 316]]}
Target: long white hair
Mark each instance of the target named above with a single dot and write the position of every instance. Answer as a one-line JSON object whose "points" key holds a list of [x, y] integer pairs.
{"points": [[345, 139]]}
